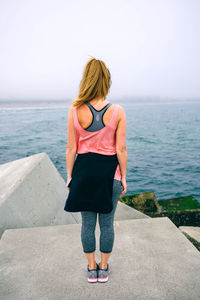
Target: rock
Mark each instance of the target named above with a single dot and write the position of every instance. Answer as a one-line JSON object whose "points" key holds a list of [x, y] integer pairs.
{"points": [[144, 202]]}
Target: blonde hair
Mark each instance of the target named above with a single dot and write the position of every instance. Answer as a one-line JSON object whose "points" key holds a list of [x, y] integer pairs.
{"points": [[95, 82]]}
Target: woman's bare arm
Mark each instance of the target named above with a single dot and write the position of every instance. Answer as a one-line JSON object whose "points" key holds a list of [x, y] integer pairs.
{"points": [[71, 146], [121, 146]]}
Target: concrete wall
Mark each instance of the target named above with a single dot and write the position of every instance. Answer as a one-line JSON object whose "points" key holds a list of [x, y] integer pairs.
{"points": [[33, 193]]}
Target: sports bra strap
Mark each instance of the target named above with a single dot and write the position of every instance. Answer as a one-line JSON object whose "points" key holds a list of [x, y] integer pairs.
{"points": [[92, 127], [97, 122], [97, 111]]}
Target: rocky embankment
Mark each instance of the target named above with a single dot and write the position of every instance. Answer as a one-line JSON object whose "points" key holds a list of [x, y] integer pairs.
{"points": [[182, 211]]}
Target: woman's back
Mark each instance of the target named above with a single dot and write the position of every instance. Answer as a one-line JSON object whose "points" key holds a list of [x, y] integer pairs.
{"points": [[95, 130]]}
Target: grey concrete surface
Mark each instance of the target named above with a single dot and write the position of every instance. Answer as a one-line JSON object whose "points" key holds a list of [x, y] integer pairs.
{"points": [[192, 231], [151, 260], [32, 193], [125, 212]]}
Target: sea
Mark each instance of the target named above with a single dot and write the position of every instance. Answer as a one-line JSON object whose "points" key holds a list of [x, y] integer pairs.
{"points": [[162, 140]]}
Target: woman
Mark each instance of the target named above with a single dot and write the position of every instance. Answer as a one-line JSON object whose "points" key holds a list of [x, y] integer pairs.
{"points": [[97, 177]]}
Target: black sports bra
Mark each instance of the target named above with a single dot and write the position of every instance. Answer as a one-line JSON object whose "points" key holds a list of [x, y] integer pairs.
{"points": [[97, 121]]}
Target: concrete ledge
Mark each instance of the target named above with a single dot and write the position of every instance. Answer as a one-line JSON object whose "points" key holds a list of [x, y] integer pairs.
{"points": [[193, 234], [151, 260], [125, 212], [32, 194]]}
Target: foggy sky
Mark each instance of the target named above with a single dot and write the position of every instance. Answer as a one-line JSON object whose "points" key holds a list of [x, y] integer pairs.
{"points": [[151, 47]]}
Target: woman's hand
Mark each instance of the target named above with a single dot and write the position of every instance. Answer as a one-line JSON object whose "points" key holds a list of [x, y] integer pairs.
{"points": [[123, 181], [68, 181]]}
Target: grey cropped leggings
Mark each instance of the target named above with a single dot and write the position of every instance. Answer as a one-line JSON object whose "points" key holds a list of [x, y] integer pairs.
{"points": [[89, 219]]}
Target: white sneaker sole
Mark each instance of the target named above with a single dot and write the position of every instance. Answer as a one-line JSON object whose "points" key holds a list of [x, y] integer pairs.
{"points": [[103, 279], [92, 279]]}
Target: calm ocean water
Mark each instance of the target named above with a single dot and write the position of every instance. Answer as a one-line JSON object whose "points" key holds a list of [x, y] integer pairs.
{"points": [[163, 143]]}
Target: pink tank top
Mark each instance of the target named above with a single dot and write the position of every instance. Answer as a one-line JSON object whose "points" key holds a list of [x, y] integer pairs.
{"points": [[102, 141]]}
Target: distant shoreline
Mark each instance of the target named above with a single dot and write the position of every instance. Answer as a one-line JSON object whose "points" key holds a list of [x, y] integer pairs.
{"points": [[10, 104], [34, 104]]}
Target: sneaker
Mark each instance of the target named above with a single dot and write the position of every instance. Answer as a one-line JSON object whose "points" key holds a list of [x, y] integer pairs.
{"points": [[103, 273], [92, 274]]}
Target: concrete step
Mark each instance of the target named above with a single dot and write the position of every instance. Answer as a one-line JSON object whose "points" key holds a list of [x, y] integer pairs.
{"points": [[192, 233], [32, 194], [151, 259], [125, 212]]}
